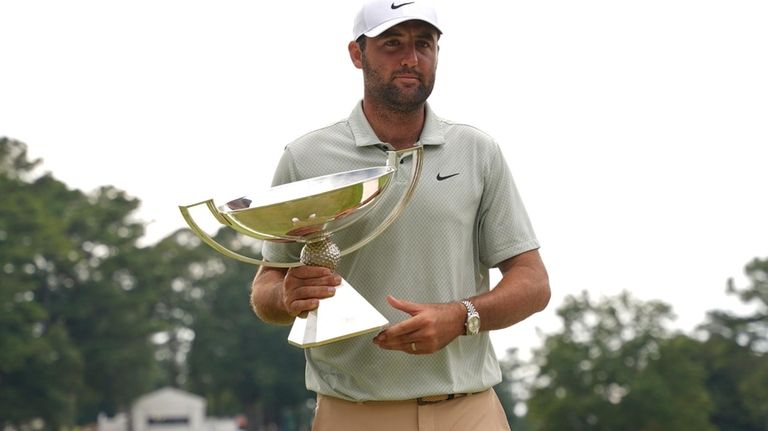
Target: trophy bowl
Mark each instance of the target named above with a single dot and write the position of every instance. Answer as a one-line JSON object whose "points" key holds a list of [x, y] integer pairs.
{"points": [[302, 210], [309, 212]]}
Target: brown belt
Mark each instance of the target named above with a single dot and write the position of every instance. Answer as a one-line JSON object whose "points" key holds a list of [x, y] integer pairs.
{"points": [[422, 401], [434, 399]]}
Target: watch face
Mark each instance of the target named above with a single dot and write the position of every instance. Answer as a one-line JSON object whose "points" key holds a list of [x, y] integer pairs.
{"points": [[473, 325]]}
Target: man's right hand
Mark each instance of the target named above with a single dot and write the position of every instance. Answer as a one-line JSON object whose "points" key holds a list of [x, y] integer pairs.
{"points": [[304, 287]]}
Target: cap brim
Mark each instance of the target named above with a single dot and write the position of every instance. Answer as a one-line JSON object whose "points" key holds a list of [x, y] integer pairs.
{"points": [[381, 28]]}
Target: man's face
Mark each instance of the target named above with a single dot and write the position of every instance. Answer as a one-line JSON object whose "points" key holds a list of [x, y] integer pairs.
{"points": [[399, 65]]}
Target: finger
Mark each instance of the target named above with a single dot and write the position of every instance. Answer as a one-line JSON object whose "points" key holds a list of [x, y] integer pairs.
{"points": [[411, 347], [294, 288], [309, 270], [306, 298], [416, 348], [399, 333], [307, 292], [407, 327], [397, 336], [314, 275], [409, 307], [302, 306], [395, 344], [329, 280]]}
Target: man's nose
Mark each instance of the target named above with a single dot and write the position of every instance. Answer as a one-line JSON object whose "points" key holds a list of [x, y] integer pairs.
{"points": [[410, 56]]}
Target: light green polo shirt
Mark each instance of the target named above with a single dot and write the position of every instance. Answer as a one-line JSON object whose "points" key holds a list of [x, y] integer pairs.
{"points": [[465, 217]]}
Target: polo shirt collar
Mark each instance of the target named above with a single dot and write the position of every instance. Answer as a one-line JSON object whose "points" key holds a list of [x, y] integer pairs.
{"points": [[432, 134]]}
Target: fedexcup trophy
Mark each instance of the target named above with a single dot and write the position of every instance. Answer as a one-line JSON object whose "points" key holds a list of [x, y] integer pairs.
{"points": [[310, 212]]}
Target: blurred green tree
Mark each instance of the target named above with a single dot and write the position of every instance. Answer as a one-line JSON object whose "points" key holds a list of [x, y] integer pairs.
{"points": [[615, 366], [513, 391], [735, 355], [240, 363], [73, 322], [176, 267], [750, 331]]}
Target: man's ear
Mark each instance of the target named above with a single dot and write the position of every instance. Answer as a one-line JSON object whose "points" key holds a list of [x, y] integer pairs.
{"points": [[355, 54]]}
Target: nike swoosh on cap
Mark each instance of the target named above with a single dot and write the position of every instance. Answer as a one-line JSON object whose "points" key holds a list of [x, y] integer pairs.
{"points": [[393, 6]]}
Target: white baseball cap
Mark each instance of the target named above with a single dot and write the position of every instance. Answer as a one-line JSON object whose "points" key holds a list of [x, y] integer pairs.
{"points": [[376, 16]]}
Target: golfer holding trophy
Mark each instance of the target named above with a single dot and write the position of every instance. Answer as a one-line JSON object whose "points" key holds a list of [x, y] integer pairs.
{"points": [[407, 246]]}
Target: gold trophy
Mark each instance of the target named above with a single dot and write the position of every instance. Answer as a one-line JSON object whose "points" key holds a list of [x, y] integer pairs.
{"points": [[310, 212]]}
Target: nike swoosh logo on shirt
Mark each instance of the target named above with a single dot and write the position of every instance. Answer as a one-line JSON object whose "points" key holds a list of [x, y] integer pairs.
{"points": [[441, 178]]}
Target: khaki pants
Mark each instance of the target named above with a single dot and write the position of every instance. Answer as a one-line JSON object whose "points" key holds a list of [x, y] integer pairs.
{"points": [[476, 412]]}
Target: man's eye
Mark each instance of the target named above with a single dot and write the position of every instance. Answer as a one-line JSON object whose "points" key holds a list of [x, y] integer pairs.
{"points": [[392, 42]]}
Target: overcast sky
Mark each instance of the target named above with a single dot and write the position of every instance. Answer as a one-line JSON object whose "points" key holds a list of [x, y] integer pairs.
{"points": [[637, 131]]}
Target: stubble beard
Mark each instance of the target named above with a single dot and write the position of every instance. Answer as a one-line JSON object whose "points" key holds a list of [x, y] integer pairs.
{"points": [[385, 92]]}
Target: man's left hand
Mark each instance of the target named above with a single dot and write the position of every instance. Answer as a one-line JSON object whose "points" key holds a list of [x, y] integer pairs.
{"points": [[430, 328]]}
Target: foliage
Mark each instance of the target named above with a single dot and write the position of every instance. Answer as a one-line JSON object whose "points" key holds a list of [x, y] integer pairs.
{"points": [[615, 367], [513, 391], [73, 327], [751, 330], [241, 364], [736, 356], [89, 321]]}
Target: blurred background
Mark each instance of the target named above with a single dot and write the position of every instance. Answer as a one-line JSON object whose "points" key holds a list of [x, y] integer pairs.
{"points": [[636, 133]]}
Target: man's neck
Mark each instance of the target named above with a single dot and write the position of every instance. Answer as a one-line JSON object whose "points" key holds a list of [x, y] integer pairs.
{"points": [[399, 129]]}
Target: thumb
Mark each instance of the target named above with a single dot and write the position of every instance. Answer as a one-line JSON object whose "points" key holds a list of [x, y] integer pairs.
{"points": [[409, 307]]}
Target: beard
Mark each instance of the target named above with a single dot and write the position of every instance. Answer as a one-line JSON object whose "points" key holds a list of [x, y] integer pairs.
{"points": [[385, 92]]}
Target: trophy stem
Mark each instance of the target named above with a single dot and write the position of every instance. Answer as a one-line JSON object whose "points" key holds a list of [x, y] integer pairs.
{"points": [[321, 252]]}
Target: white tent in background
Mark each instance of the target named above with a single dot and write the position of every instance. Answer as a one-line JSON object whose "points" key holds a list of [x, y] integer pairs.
{"points": [[167, 409]]}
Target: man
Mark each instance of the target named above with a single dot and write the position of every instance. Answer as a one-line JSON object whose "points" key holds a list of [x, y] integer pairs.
{"points": [[428, 272]]}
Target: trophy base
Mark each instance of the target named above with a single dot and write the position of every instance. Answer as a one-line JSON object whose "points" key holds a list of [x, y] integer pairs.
{"points": [[345, 315]]}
